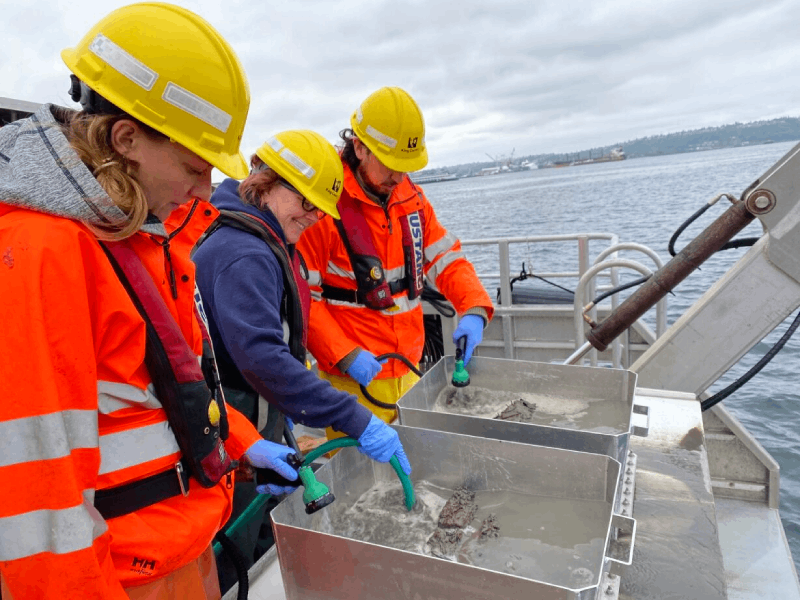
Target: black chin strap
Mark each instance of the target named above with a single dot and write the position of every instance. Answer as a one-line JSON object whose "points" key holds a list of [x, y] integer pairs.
{"points": [[91, 102]]}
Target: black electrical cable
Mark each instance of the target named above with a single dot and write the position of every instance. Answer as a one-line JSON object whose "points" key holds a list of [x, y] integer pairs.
{"points": [[433, 348], [437, 300], [402, 359], [722, 394], [239, 563], [523, 275], [619, 288], [561, 287], [684, 225], [740, 243]]}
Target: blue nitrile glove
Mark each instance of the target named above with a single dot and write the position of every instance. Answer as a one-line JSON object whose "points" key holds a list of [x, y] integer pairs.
{"points": [[364, 368], [380, 442], [269, 455], [472, 327]]}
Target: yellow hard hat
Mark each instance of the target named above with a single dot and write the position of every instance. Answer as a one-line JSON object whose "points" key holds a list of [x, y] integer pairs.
{"points": [[167, 67], [390, 123], [310, 163]]}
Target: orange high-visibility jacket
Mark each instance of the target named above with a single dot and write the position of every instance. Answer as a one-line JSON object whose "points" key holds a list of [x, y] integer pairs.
{"points": [[78, 414], [337, 327]]}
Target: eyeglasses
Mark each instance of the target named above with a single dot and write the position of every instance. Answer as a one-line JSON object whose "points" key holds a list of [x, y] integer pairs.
{"points": [[307, 206]]}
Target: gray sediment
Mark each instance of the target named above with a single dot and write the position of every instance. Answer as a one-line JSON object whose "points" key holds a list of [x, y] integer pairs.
{"points": [[457, 513]]}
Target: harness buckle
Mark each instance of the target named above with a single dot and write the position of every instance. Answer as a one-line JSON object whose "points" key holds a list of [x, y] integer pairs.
{"points": [[179, 471]]}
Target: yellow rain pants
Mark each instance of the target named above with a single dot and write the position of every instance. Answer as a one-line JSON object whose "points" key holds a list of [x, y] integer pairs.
{"points": [[385, 390]]}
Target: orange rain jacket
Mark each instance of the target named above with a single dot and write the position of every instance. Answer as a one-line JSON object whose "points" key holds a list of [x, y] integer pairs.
{"points": [[78, 413], [338, 327]]}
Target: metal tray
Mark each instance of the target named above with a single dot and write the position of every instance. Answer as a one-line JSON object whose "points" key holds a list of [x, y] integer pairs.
{"points": [[603, 399], [567, 495]]}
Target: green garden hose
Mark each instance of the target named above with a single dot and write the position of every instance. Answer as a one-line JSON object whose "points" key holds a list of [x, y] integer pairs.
{"points": [[344, 442], [408, 488]]}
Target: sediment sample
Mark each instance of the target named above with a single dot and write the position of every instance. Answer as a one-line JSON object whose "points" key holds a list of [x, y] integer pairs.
{"points": [[519, 410], [444, 542], [456, 515], [459, 510], [489, 528]]}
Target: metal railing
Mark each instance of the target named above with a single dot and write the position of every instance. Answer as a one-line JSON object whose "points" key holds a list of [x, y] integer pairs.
{"points": [[594, 275]]}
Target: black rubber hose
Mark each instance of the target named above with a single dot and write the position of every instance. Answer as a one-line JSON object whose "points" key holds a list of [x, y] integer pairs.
{"points": [[740, 243], [684, 225], [402, 359], [239, 563], [619, 288], [722, 394], [437, 300]]}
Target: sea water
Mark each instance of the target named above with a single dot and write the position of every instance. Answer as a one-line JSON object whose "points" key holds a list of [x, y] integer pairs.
{"points": [[645, 200]]}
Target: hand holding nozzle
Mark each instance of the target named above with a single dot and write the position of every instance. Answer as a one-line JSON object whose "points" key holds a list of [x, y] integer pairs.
{"points": [[270, 482], [460, 375], [276, 465], [469, 327]]}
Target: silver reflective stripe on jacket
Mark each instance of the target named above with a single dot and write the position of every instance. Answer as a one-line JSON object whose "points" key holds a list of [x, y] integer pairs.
{"points": [[46, 437], [402, 305], [444, 261], [445, 244], [112, 397], [57, 531], [136, 446]]}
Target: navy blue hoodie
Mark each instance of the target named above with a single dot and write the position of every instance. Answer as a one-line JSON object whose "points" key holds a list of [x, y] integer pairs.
{"points": [[241, 283]]}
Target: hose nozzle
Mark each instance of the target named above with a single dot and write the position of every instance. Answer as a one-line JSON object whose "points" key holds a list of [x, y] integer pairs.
{"points": [[460, 374], [316, 494]]}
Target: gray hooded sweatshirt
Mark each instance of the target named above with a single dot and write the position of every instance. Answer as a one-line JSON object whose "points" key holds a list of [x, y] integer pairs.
{"points": [[40, 171]]}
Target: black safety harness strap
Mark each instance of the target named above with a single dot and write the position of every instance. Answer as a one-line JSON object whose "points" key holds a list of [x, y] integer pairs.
{"points": [[292, 293], [185, 389], [128, 498], [331, 292]]}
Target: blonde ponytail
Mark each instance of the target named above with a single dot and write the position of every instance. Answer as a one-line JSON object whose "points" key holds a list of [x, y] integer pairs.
{"points": [[89, 136]]}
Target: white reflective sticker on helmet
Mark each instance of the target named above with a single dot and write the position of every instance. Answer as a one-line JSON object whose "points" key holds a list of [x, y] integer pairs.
{"points": [[275, 144], [381, 137], [298, 163], [197, 107], [359, 115], [121, 61]]}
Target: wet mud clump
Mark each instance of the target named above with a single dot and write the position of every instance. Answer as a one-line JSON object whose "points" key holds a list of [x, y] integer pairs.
{"points": [[459, 510], [519, 410], [444, 542], [456, 515], [489, 528]]}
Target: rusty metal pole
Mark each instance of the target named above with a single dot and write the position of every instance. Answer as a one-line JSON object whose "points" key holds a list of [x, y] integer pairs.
{"points": [[731, 222]]}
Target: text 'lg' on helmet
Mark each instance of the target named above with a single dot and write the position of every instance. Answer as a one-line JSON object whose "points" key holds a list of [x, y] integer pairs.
{"points": [[310, 163], [390, 124]]}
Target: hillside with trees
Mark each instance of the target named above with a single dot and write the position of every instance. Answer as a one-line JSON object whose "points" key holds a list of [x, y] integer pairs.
{"points": [[784, 129]]}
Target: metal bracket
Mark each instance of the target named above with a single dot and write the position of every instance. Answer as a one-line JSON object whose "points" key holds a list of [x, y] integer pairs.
{"points": [[609, 587], [638, 430], [620, 546], [628, 485]]}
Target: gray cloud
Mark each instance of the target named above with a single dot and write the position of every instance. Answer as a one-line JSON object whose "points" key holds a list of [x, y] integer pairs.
{"points": [[536, 77]]}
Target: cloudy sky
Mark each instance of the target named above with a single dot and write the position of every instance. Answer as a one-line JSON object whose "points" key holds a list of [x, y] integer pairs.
{"points": [[533, 76]]}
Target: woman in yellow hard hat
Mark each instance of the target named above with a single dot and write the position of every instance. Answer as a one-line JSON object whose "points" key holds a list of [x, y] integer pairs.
{"points": [[110, 492], [254, 288]]}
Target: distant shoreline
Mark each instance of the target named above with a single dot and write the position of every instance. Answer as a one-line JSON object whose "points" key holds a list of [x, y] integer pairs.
{"points": [[784, 129]]}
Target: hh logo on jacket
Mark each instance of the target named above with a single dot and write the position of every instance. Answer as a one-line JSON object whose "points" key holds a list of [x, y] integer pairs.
{"points": [[143, 566]]}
